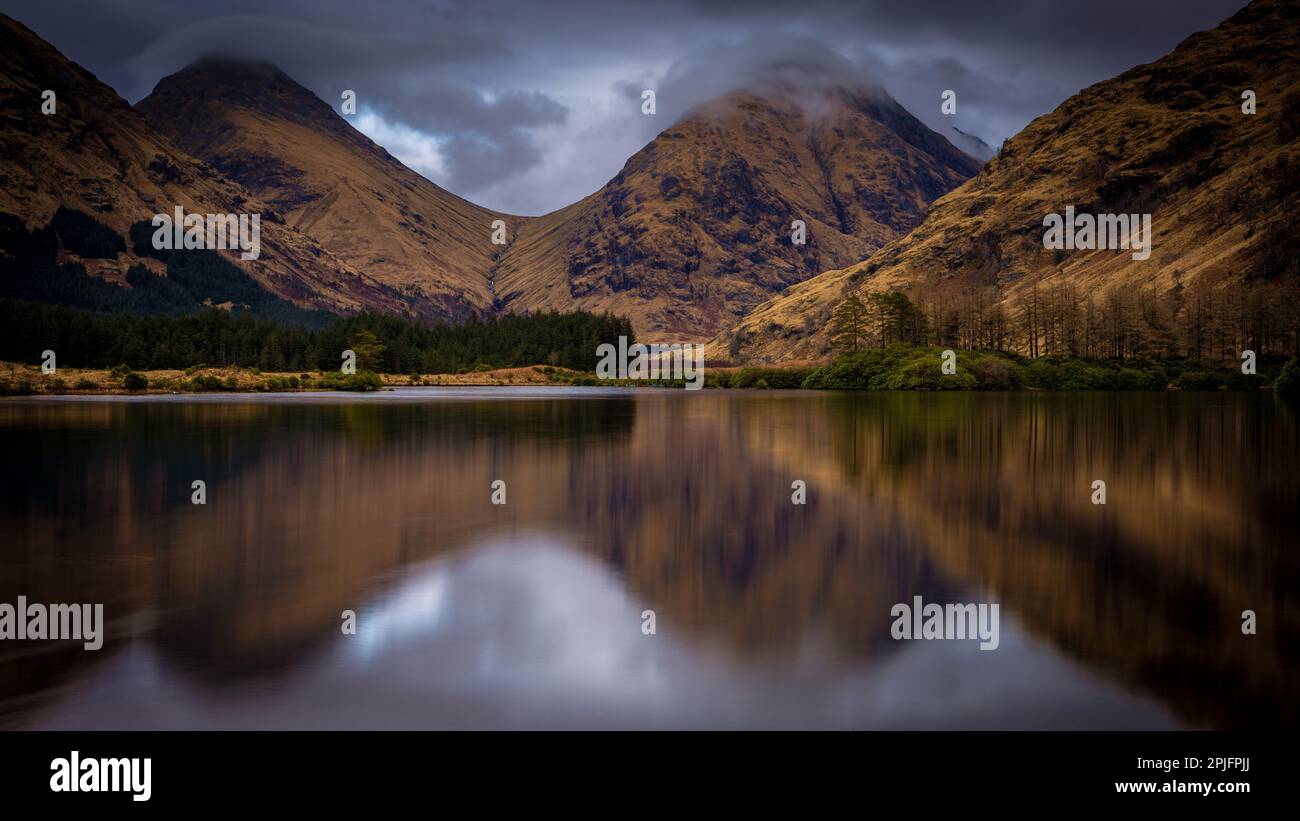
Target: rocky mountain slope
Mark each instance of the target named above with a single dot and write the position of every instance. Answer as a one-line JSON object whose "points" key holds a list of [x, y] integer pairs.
{"points": [[1169, 138], [276, 138], [696, 228], [97, 155], [693, 232]]}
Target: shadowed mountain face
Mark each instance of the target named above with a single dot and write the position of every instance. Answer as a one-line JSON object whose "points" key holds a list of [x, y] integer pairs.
{"points": [[1169, 139], [693, 232], [265, 131], [97, 155]]}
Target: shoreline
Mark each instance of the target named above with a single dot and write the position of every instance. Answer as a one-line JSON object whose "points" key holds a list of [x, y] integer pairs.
{"points": [[24, 380], [28, 380]]}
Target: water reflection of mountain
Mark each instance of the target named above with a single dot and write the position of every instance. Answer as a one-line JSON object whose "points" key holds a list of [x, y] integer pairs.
{"points": [[309, 507], [313, 508], [1149, 588]]}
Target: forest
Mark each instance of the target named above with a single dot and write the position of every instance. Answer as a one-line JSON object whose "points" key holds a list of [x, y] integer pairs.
{"points": [[1197, 323], [170, 322], [383, 344]]}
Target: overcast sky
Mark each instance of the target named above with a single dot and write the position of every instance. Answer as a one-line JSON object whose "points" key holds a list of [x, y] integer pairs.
{"points": [[527, 106]]}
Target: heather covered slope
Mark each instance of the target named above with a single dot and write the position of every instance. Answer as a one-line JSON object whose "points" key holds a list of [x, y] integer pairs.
{"points": [[1168, 138], [95, 154], [265, 131], [693, 232], [696, 228]]}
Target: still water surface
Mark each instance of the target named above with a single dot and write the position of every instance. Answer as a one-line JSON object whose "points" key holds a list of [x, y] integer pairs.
{"points": [[768, 614]]}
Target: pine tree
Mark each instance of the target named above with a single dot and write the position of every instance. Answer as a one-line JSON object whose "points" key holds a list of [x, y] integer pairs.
{"points": [[849, 325]]}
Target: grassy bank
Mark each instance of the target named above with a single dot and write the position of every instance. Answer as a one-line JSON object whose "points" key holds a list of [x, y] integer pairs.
{"points": [[897, 367], [17, 379]]}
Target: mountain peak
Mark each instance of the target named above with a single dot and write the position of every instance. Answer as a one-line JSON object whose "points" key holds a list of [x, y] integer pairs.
{"points": [[271, 134], [697, 227], [253, 85], [98, 156], [1168, 140]]}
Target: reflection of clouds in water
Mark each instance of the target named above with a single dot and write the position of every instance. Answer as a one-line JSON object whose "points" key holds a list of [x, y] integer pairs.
{"points": [[412, 610], [527, 616], [1022, 685], [530, 633]]}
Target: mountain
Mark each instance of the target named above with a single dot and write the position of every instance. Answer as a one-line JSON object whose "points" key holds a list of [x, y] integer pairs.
{"points": [[972, 145], [694, 231], [95, 154], [260, 128], [1169, 138], [696, 228]]}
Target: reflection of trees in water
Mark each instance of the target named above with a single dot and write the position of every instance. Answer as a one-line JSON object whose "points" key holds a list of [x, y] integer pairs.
{"points": [[73, 456], [311, 507], [1151, 586], [703, 527]]}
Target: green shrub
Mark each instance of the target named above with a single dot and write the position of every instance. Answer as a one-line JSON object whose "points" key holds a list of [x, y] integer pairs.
{"points": [[1199, 381], [1078, 375], [1238, 381], [1287, 383], [135, 382], [994, 374], [85, 385], [770, 377], [1149, 378], [359, 381], [862, 370], [923, 375], [1045, 375]]}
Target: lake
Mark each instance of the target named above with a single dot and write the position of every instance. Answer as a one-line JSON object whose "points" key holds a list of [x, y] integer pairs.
{"points": [[766, 613]]}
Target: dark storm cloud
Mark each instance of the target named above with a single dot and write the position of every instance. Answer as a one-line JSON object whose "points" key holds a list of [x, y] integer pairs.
{"points": [[527, 106], [483, 140]]}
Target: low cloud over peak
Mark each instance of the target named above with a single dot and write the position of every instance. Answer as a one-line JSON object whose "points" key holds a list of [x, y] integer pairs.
{"points": [[525, 107]]}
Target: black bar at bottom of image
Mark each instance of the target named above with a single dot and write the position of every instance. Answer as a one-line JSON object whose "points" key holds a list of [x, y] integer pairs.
{"points": [[240, 769]]}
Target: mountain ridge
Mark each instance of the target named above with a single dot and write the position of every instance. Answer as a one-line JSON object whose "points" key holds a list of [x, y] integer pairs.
{"points": [[267, 132], [661, 241], [1168, 137], [97, 155], [696, 227]]}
